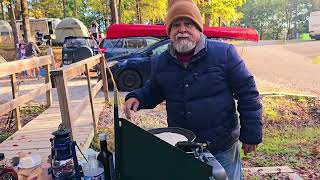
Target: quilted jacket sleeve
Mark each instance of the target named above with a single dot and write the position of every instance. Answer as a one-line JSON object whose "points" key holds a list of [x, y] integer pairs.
{"points": [[245, 92], [150, 94]]}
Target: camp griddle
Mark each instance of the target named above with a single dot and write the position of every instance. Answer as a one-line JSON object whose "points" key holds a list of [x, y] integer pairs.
{"points": [[177, 130]]}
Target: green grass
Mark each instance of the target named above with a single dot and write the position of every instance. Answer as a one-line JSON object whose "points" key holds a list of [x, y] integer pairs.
{"points": [[271, 112], [27, 114], [316, 60], [32, 110], [286, 109], [290, 136], [276, 142], [291, 147], [305, 36], [4, 136]]}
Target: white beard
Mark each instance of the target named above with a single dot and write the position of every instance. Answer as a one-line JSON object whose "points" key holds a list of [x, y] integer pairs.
{"points": [[183, 45]]}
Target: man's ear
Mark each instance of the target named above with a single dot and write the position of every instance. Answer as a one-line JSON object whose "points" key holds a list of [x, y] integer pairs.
{"points": [[169, 31]]}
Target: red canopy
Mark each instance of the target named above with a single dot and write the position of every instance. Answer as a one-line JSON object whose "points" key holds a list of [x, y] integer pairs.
{"points": [[128, 30]]}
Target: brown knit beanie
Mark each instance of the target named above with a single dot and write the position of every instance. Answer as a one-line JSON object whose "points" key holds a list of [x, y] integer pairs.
{"points": [[183, 8]]}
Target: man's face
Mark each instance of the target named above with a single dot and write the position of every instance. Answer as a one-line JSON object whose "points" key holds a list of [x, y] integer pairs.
{"points": [[184, 35]]}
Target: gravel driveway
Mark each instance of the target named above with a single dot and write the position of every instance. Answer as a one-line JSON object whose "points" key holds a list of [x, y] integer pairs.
{"points": [[284, 67]]}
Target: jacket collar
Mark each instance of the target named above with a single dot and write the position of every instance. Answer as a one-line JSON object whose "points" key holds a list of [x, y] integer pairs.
{"points": [[199, 51]]}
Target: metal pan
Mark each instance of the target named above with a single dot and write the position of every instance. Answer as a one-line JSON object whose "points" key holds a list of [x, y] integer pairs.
{"points": [[185, 132]]}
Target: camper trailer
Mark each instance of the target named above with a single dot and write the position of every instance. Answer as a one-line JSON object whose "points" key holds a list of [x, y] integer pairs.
{"points": [[41, 29], [69, 27], [6, 37], [314, 25]]}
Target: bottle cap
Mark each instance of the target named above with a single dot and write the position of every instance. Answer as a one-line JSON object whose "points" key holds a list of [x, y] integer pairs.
{"points": [[102, 136]]}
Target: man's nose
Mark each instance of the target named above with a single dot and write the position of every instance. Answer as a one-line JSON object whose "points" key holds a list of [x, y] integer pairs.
{"points": [[182, 28]]}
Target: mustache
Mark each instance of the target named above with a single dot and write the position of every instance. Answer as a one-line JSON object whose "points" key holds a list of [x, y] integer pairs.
{"points": [[183, 35]]}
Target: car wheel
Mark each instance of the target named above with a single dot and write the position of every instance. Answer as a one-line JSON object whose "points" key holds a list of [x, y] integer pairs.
{"points": [[129, 80]]}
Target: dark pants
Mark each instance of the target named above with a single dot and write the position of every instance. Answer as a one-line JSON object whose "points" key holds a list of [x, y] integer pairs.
{"points": [[95, 36]]}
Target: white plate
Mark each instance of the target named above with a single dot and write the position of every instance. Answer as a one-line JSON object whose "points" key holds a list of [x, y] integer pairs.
{"points": [[36, 161]]}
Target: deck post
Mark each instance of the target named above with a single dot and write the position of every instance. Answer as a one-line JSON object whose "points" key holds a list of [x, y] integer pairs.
{"points": [[47, 81], [53, 62], [14, 87], [104, 79], [91, 99], [63, 97]]}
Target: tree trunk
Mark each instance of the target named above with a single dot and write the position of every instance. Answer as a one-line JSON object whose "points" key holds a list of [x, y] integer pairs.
{"points": [[75, 10], [119, 11], [138, 10], [289, 26], [64, 8], [105, 22], [25, 21], [114, 14], [18, 9], [14, 28], [207, 21], [3, 14], [261, 31]]}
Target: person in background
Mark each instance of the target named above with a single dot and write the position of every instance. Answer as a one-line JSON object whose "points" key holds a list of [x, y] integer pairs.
{"points": [[22, 50], [94, 30], [200, 79], [32, 50], [22, 55]]}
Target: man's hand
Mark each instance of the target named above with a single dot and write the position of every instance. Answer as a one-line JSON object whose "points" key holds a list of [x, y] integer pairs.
{"points": [[130, 104], [248, 148]]}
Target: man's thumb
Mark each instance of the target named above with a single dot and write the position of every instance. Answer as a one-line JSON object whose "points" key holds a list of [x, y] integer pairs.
{"points": [[135, 106]]}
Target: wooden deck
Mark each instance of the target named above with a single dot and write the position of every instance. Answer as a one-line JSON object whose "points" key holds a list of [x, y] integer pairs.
{"points": [[34, 136]]}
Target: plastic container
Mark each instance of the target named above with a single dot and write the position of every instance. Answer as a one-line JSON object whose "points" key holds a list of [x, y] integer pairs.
{"points": [[93, 169], [42, 73]]}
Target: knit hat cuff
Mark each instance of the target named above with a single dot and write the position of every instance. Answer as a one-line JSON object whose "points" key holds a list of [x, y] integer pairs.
{"points": [[199, 26]]}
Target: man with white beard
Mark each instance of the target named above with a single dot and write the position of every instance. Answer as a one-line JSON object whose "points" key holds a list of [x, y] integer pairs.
{"points": [[199, 80]]}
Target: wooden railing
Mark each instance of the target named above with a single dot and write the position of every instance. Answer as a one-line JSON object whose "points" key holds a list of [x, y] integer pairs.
{"points": [[16, 67], [66, 73]]}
